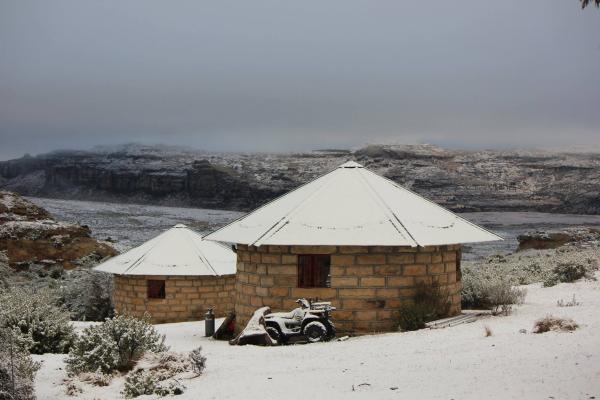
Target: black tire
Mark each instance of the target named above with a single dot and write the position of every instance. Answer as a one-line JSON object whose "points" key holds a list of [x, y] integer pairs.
{"points": [[315, 331], [331, 333], [275, 334]]}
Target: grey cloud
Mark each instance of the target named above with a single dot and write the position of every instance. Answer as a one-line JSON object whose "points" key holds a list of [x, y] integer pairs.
{"points": [[272, 75]]}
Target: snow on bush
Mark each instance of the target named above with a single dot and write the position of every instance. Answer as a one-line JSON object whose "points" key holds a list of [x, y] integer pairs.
{"points": [[158, 373], [570, 269], [430, 303], [138, 383], [87, 295], [36, 315], [17, 369], [485, 288], [116, 344], [565, 264], [550, 323]]}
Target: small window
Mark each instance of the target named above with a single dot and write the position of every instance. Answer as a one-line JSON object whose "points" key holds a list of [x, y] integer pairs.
{"points": [[313, 270], [156, 289]]}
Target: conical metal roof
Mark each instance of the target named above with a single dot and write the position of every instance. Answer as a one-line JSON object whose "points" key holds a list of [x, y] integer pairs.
{"points": [[177, 251], [352, 206]]}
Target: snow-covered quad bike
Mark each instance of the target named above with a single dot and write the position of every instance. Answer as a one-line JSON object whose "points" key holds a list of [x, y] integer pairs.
{"points": [[311, 320]]}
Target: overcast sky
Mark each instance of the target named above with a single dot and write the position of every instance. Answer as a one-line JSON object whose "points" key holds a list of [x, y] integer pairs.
{"points": [[283, 75]]}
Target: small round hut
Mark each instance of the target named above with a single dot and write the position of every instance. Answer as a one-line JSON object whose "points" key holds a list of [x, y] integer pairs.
{"points": [[351, 237], [174, 277]]}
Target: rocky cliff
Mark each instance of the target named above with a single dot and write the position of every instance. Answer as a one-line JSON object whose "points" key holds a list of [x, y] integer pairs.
{"points": [[150, 175], [29, 235], [461, 180]]}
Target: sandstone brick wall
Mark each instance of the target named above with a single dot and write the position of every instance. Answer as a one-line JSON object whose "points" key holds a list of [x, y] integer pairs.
{"points": [[186, 297], [368, 284]]}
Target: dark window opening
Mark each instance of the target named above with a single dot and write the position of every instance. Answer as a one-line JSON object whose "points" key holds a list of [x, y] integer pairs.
{"points": [[313, 270], [156, 289]]}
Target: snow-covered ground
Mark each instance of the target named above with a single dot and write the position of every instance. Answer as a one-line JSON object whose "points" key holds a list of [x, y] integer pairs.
{"points": [[452, 363]]}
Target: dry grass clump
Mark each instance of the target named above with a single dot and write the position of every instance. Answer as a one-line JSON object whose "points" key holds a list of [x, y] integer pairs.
{"points": [[572, 303], [488, 331], [550, 323], [96, 378]]}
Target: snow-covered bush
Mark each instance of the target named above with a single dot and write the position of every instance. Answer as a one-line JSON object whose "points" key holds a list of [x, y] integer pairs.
{"points": [[430, 303], [565, 264], [37, 316], [87, 295], [17, 369], [172, 387], [197, 360], [485, 288], [156, 374], [116, 344], [570, 269], [138, 383]]}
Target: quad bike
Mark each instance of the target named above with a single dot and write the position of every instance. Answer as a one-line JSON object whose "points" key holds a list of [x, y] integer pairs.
{"points": [[310, 320]]}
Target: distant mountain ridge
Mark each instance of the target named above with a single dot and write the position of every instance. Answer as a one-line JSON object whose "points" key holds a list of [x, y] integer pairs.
{"points": [[486, 180]]}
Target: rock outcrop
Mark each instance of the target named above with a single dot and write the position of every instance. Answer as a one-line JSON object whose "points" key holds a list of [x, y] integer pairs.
{"points": [[29, 235], [541, 240]]}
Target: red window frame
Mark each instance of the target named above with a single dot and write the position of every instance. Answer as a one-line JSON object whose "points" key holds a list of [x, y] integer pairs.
{"points": [[314, 270], [156, 289]]}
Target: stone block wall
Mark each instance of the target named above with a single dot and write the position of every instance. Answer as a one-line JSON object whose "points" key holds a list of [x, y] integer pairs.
{"points": [[369, 285], [186, 297]]}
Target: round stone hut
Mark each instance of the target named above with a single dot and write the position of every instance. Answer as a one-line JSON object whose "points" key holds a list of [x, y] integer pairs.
{"points": [[174, 277], [351, 237]]}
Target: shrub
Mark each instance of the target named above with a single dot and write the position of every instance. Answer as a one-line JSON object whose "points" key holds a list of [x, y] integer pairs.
{"points": [[139, 383], [36, 315], [155, 375], [570, 270], [548, 266], [171, 388], [116, 344], [485, 289], [550, 323], [430, 303], [413, 317], [17, 369], [87, 295], [197, 360]]}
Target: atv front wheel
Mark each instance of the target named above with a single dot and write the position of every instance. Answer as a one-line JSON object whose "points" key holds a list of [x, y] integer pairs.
{"points": [[315, 332], [275, 334]]}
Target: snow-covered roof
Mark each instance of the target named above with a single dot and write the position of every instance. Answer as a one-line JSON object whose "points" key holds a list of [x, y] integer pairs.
{"points": [[177, 251], [351, 206]]}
